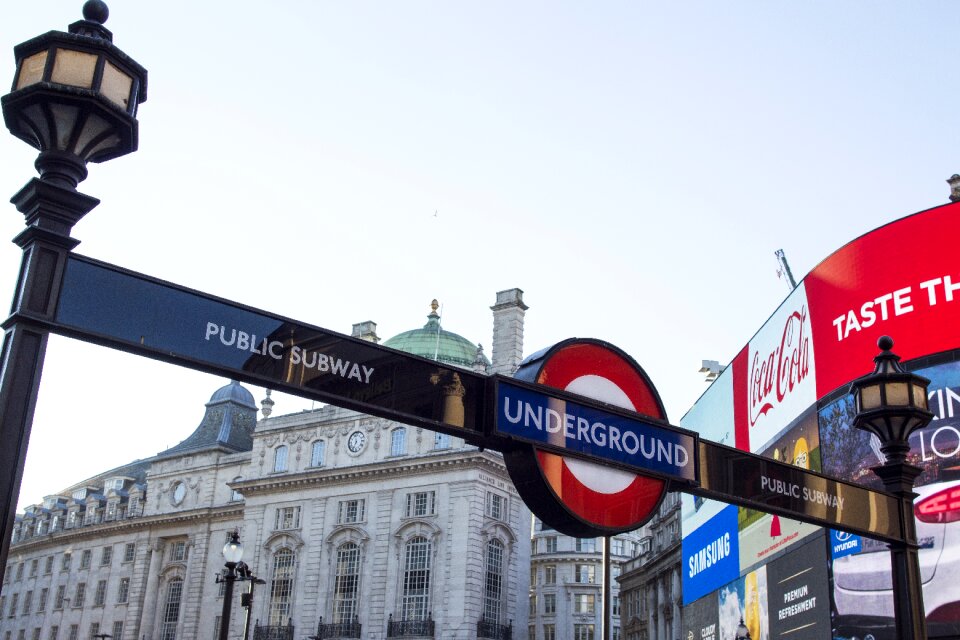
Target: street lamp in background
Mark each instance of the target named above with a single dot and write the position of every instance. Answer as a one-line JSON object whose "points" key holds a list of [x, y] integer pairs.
{"points": [[74, 98], [232, 553], [891, 403]]}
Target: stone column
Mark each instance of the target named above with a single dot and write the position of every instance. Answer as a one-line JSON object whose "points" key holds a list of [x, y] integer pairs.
{"points": [[148, 616]]}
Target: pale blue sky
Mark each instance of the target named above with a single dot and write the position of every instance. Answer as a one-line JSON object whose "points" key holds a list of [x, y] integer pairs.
{"points": [[631, 165]]}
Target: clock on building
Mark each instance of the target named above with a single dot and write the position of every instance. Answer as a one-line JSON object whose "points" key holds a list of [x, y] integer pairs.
{"points": [[179, 492], [356, 441]]}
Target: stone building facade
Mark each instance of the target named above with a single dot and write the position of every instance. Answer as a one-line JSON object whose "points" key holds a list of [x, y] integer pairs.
{"points": [[359, 527], [650, 583]]}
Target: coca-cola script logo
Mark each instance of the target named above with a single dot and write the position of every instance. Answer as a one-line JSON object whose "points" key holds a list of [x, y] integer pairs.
{"points": [[774, 377]]}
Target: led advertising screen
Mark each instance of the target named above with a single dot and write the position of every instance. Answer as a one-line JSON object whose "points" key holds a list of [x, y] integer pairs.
{"points": [[784, 396]]}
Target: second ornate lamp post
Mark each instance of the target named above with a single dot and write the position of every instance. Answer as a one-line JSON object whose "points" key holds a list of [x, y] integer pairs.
{"points": [[891, 403], [232, 553]]}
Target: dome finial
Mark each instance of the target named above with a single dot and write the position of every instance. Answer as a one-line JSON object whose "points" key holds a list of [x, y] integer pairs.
{"points": [[96, 11], [267, 405], [434, 305]]}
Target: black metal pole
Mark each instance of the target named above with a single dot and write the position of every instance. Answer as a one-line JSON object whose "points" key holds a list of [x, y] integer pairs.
{"points": [[605, 626], [51, 211], [249, 607], [911, 623], [229, 577]]}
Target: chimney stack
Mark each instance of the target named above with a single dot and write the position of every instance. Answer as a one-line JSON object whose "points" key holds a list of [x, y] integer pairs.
{"points": [[508, 331], [366, 331]]}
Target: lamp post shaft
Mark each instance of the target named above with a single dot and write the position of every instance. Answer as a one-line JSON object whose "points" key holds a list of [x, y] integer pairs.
{"points": [[50, 211], [229, 577], [911, 624]]}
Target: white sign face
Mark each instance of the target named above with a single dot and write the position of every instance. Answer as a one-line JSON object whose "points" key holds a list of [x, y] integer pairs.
{"points": [[781, 378]]}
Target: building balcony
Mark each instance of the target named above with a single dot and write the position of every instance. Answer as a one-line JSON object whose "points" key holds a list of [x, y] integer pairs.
{"points": [[329, 630], [275, 632], [494, 630], [410, 628]]}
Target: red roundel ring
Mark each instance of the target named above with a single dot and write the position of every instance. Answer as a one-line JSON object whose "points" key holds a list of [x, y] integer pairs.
{"points": [[577, 497]]}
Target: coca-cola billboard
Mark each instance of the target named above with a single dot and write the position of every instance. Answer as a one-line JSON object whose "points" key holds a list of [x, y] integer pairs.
{"points": [[902, 280]]}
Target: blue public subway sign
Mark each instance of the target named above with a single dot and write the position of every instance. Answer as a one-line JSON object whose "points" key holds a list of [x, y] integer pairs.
{"points": [[570, 427]]}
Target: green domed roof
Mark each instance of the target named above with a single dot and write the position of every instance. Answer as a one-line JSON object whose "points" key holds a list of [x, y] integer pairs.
{"points": [[433, 342]]}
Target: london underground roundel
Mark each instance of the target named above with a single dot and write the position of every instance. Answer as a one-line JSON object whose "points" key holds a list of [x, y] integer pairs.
{"points": [[577, 497]]}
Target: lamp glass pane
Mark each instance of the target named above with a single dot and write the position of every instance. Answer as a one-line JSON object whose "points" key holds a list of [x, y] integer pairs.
{"points": [[115, 86], [233, 552], [898, 394], [31, 69], [919, 396], [870, 397], [74, 68]]}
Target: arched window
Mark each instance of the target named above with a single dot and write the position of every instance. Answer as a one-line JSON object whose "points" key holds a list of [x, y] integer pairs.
{"points": [[316, 457], [416, 579], [281, 589], [280, 458], [441, 441], [398, 442], [171, 609], [493, 583], [346, 589]]}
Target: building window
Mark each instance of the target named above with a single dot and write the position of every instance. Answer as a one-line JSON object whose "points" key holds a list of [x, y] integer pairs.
{"points": [[56, 522], [587, 545], [79, 595], [350, 511], [398, 442], [48, 566], [19, 572], [287, 518], [94, 630], [36, 633], [106, 557], [583, 632], [551, 544], [216, 628], [178, 552], [72, 519], [27, 602], [496, 505], [421, 503], [532, 632], [549, 632], [549, 603], [74, 631], [584, 603], [42, 605], [615, 635], [60, 597], [65, 564], [281, 589], [123, 591], [129, 552], [549, 574], [347, 584], [317, 453], [415, 603], [118, 630], [441, 441], [280, 458], [617, 546], [90, 516], [85, 559], [34, 566], [133, 506], [533, 576], [533, 605], [111, 511], [615, 605], [584, 573], [14, 599], [54, 632], [493, 584], [615, 571], [171, 610], [100, 596]]}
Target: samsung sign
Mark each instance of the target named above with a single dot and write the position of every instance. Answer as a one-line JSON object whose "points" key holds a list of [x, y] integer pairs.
{"points": [[711, 555]]}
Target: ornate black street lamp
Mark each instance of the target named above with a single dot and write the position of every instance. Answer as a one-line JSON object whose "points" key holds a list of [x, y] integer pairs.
{"points": [[891, 403], [74, 98], [232, 553]]}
